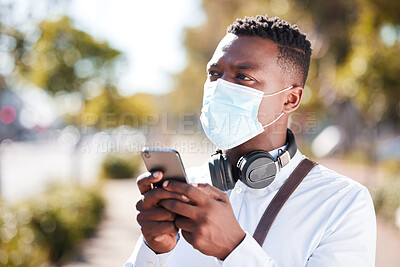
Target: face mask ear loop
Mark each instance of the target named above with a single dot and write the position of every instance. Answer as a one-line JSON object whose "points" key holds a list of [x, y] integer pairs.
{"points": [[281, 91], [272, 122]]}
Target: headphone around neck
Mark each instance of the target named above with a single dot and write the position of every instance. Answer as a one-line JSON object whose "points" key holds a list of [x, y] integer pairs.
{"points": [[256, 169]]}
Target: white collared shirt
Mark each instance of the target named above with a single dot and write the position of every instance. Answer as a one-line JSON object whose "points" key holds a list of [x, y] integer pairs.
{"points": [[329, 220]]}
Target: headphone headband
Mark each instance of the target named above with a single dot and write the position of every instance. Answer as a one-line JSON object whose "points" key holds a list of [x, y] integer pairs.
{"points": [[285, 156]]}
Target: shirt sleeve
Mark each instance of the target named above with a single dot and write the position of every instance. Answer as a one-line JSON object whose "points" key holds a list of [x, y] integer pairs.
{"points": [[248, 253], [145, 256], [350, 239]]}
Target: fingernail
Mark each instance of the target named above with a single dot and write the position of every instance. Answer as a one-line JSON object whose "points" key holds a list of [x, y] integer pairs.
{"points": [[184, 197], [195, 184], [156, 174], [165, 184]]}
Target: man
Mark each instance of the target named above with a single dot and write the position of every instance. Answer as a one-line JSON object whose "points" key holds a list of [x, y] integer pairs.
{"points": [[258, 70]]}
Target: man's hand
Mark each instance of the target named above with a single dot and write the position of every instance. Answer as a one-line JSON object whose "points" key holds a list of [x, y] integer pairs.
{"points": [[157, 223], [207, 222]]}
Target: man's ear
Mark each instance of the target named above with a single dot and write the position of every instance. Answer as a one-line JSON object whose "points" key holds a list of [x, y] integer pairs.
{"points": [[293, 100]]}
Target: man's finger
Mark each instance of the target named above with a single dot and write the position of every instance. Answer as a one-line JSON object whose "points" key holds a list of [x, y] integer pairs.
{"points": [[184, 223], [212, 191], [154, 229], [156, 214], [180, 208], [145, 181], [152, 197], [193, 193], [188, 237]]}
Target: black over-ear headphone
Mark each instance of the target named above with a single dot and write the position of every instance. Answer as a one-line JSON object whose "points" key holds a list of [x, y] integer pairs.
{"points": [[256, 169]]}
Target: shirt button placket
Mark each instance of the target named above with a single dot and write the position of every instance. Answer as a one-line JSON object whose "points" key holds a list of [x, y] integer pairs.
{"points": [[236, 199]]}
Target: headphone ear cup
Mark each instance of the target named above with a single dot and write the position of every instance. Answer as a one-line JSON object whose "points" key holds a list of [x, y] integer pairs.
{"points": [[257, 169], [229, 181], [221, 172], [217, 171]]}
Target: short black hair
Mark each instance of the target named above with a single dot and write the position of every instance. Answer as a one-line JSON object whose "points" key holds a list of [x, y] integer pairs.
{"points": [[294, 48]]}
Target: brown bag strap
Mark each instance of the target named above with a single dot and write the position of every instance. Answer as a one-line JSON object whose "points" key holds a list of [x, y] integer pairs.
{"points": [[280, 198]]}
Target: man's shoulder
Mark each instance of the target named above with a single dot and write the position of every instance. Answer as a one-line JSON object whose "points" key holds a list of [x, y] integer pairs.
{"points": [[328, 182], [337, 199]]}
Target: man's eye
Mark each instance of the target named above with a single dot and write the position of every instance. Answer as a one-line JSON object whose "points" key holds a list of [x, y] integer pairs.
{"points": [[243, 77], [213, 73]]}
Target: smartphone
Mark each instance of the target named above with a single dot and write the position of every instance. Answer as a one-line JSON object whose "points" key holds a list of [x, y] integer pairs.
{"points": [[166, 160]]}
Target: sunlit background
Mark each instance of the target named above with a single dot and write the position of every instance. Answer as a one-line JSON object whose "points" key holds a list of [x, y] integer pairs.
{"points": [[84, 85]]}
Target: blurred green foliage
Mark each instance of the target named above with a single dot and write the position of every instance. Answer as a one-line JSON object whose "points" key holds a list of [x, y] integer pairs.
{"points": [[65, 59], [47, 227], [386, 192], [110, 110], [121, 165], [387, 198], [352, 59], [68, 62]]}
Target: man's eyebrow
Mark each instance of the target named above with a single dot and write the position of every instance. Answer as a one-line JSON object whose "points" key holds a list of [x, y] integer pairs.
{"points": [[241, 66], [213, 65], [246, 66]]}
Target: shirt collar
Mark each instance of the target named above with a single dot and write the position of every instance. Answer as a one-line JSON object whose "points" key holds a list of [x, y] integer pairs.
{"points": [[274, 153]]}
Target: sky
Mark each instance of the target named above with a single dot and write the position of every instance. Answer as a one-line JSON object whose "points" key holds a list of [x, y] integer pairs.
{"points": [[149, 33]]}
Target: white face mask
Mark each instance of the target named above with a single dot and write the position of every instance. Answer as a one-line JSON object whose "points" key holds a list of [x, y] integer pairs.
{"points": [[229, 113]]}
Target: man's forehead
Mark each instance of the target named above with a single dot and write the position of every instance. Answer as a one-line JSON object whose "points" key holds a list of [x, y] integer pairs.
{"points": [[244, 49], [227, 41]]}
